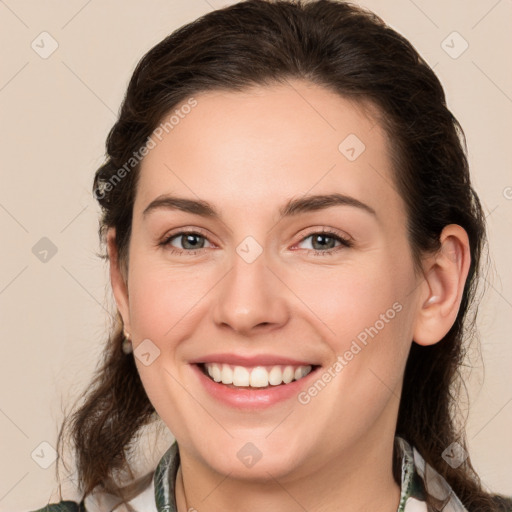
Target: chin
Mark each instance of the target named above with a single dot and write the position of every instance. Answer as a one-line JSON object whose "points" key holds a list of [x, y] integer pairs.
{"points": [[258, 460]]}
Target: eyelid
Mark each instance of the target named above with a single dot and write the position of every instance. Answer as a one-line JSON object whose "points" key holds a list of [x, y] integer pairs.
{"points": [[345, 240], [327, 231], [165, 241], [185, 230]]}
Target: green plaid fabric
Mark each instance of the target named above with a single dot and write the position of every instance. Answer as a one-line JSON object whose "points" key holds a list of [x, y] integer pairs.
{"points": [[418, 479]]}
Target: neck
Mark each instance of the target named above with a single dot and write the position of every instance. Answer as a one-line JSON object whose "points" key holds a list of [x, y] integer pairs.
{"points": [[356, 480]]}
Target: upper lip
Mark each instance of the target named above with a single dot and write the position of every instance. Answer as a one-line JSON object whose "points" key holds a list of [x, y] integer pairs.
{"points": [[249, 361]]}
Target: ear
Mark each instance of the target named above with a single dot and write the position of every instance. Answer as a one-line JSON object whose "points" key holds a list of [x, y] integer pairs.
{"points": [[117, 280], [445, 275]]}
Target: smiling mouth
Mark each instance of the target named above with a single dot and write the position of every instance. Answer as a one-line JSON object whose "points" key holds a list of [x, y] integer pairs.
{"points": [[257, 377]]}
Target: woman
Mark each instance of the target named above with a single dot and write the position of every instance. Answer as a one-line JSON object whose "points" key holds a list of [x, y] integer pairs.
{"points": [[294, 244]]}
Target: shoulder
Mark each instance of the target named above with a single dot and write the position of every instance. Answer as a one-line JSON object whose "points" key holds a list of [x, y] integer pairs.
{"points": [[63, 506]]}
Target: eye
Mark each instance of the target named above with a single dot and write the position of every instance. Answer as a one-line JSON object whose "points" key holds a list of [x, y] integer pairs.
{"points": [[189, 240], [324, 242]]}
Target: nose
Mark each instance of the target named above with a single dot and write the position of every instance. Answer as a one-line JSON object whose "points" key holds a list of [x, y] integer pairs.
{"points": [[251, 298]]}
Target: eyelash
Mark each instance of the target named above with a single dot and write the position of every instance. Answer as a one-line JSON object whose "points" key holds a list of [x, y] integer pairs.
{"points": [[345, 242]]}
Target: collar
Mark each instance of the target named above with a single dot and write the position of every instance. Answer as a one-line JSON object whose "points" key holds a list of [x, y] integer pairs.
{"points": [[165, 478], [417, 479]]}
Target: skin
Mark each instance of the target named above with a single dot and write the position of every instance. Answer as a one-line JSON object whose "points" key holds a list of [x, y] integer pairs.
{"points": [[248, 154]]}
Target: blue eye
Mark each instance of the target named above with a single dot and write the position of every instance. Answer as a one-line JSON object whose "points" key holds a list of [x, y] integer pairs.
{"points": [[322, 243], [188, 239], [326, 241]]}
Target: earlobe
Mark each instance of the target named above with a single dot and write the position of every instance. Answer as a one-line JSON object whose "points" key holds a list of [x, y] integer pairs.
{"points": [[431, 300], [117, 280], [445, 276]]}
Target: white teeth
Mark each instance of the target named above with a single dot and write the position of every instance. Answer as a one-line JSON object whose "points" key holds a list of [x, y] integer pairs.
{"points": [[226, 375], [216, 373], [288, 374], [275, 377], [240, 376], [257, 377]]}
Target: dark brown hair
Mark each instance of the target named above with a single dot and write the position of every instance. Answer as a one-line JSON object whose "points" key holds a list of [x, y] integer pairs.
{"points": [[352, 52]]}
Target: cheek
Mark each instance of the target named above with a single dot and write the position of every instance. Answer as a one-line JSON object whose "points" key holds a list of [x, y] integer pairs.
{"points": [[162, 304], [351, 301], [161, 297], [365, 314]]}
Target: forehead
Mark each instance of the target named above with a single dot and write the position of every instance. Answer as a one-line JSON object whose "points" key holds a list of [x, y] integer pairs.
{"points": [[268, 143]]}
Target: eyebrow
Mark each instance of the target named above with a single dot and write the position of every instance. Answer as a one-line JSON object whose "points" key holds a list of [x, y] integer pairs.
{"points": [[291, 208]]}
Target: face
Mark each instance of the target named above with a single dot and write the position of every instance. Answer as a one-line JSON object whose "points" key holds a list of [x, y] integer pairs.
{"points": [[268, 276]]}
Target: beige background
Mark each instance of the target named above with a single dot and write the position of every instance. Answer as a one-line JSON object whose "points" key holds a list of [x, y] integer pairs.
{"points": [[56, 113]]}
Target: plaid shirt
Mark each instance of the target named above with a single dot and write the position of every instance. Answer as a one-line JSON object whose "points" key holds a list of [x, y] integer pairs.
{"points": [[417, 477]]}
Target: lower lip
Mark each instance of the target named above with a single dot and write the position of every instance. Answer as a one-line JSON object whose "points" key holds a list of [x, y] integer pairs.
{"points": [[253, 398]]}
